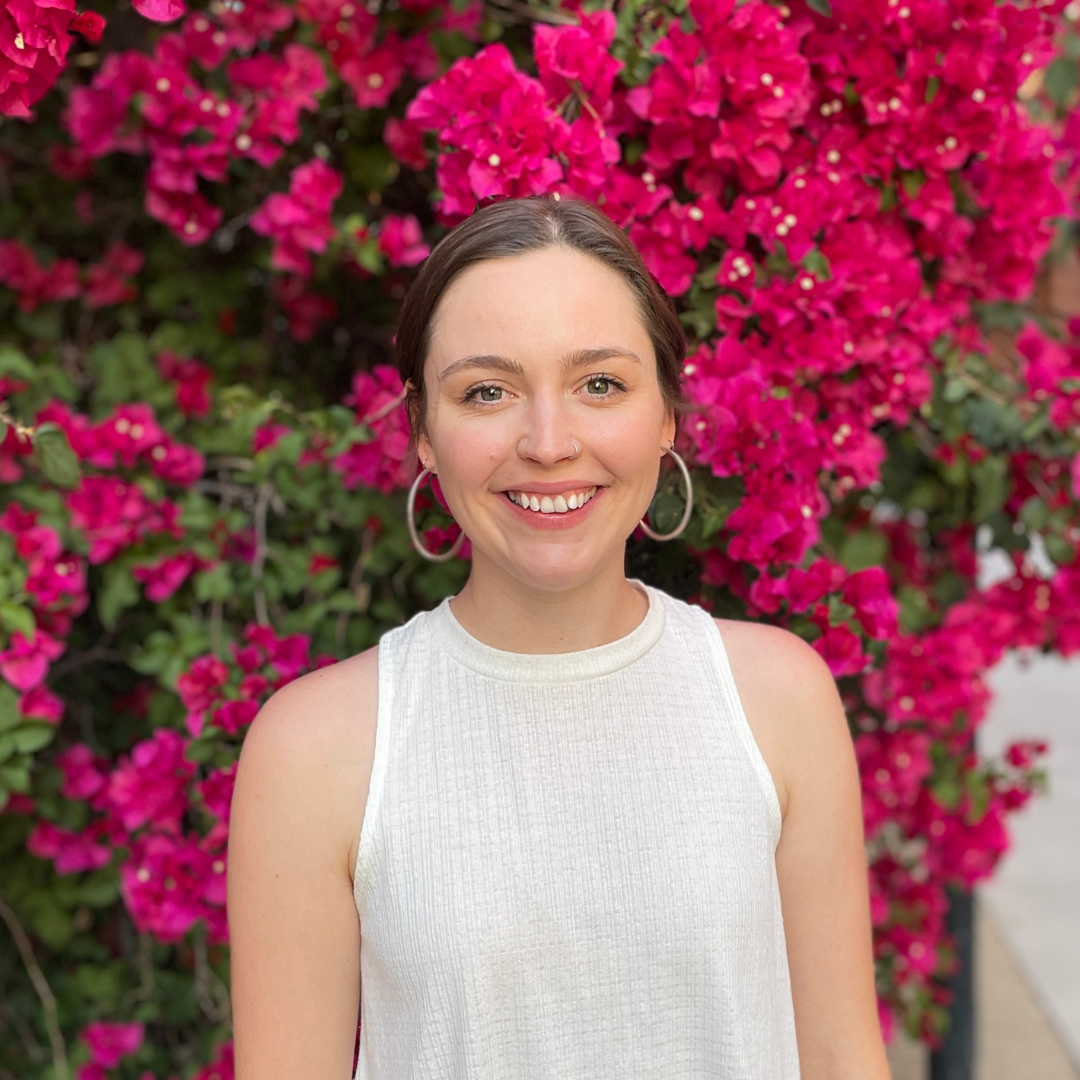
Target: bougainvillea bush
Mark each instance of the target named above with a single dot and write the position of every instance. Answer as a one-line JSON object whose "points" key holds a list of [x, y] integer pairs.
{"points": [[209, 217]]}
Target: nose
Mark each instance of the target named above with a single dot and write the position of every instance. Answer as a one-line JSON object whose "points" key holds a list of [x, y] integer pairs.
{"points": [[547, 438]]}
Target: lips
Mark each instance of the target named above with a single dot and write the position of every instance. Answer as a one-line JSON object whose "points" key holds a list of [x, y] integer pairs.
{"points": [[561, 502]]}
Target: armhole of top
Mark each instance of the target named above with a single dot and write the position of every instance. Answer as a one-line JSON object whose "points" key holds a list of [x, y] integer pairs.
{"points": [[746, 733], [384, 709]]}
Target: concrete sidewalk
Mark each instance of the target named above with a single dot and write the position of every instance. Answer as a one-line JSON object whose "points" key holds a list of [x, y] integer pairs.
{"points": [[1027, 932]]}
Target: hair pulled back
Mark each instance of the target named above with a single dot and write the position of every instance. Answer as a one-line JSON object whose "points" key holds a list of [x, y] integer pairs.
{"points": [[512, 227]]}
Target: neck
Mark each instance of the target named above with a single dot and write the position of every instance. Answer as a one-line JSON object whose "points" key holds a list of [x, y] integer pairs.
{"points": [[507, 613]]}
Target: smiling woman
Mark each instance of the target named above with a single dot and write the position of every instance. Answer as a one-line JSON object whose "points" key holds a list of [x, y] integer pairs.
{"points": [[602, 833]]}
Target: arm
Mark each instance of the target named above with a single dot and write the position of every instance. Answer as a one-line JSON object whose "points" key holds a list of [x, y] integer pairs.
{"points": [[796, 714], [296, 813]]}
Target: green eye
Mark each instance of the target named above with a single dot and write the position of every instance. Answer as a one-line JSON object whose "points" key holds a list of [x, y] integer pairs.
{"points": [[489, 393], [598, 386]]}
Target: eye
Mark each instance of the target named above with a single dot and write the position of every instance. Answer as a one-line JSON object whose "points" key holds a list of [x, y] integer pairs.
{"points": [[603, 386], [487, 395]]}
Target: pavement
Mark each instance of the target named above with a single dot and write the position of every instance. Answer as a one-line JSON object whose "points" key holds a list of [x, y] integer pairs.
{"points": [[1027, 923]]}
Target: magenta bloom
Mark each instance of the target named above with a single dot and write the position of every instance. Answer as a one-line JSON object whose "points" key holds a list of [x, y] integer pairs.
{"points": [[151, 784], [109, 1043], [299, 222], [25, 662]]}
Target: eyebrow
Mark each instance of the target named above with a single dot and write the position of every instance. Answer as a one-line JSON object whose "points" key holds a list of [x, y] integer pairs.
{"points": [[576, 358]]}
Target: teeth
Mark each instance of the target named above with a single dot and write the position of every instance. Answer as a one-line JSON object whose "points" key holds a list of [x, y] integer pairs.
{"points": [[546, 504]]}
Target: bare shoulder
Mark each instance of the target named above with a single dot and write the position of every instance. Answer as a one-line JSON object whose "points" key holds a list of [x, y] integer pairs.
{"points": [[789, 696], [316, 736]]}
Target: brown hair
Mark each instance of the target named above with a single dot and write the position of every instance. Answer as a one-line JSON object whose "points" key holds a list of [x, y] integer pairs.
{"points": [[512, 227]]}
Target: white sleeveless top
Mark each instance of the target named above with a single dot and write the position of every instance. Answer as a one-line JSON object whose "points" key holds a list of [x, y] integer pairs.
{"points": [[566, 867]]}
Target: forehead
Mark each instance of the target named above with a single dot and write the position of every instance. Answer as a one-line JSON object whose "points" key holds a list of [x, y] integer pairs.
{"points": [[537, 306]]}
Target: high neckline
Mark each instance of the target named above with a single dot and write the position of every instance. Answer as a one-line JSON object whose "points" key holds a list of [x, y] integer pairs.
{"points": [[454, 639]]}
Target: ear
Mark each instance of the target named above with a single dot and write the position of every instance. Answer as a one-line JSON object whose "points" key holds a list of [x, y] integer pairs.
{"points": [[667, 432], [416, 422]]}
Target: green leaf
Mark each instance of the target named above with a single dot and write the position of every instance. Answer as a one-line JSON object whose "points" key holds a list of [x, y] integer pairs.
{"points": [[7, 746], [202, 749], [14, 363], [52, 923], [32, 736], [1059, 549], [118, 592], [863, 549], [214, 584], [933, 84], [10, 714], [991, 477], [54, 456], [822, 7], [913, 181], [17, 617], [15, 775], [955, 390], [1061, 79], [1035, 514]]}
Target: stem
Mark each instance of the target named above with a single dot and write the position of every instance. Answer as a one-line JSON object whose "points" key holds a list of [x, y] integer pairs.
{"points": [[41, 985], [262, 504]]}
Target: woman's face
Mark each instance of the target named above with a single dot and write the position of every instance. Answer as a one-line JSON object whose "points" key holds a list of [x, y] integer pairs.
{"points": [[544, 421]]}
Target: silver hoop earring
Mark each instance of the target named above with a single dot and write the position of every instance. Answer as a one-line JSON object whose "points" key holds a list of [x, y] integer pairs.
{"points": [[687, 510], [414, 536]]}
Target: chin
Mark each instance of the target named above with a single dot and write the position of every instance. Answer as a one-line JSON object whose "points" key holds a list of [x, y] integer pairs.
{"points": [[557, 566]]}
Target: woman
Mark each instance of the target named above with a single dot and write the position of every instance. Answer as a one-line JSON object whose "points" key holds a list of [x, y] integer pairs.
{"points": [[564, 825]]}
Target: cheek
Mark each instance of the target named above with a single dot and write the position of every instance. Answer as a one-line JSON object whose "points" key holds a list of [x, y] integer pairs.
{"points": [[468, 453]]}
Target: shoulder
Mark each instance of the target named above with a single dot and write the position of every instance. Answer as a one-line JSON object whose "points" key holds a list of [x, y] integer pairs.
{"points": [[311, 746], [789, 696]]}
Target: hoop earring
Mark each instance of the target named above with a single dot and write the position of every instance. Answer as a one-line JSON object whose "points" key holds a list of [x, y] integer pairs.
{"points": [[414, 536], [688, 509]]}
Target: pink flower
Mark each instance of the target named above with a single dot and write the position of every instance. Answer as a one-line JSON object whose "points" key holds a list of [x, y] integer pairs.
{"points": [[70, 852], [217, 790], [36, 284], [33, 47], [190, 217], [497, 131], [231, 716], [84, 772], [164, 11], [108, 1043], [107, 282], [841, 649], [151, 784], [25, 662], [114, 514], [578, 54], [867, 591], [165, 882], [41, 703], [384, 461], [192, 381], [89, 24], [299, 222], [401, 240], [268, 435], [200, 686], [164, 577]]}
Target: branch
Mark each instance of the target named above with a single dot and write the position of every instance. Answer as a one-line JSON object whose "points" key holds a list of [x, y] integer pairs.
{"points": [[41, 985], [387, 408], [262, 504], [521, 11]]}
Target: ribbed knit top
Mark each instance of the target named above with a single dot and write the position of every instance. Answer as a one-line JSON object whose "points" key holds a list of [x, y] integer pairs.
{"points": [[566, 868]]}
